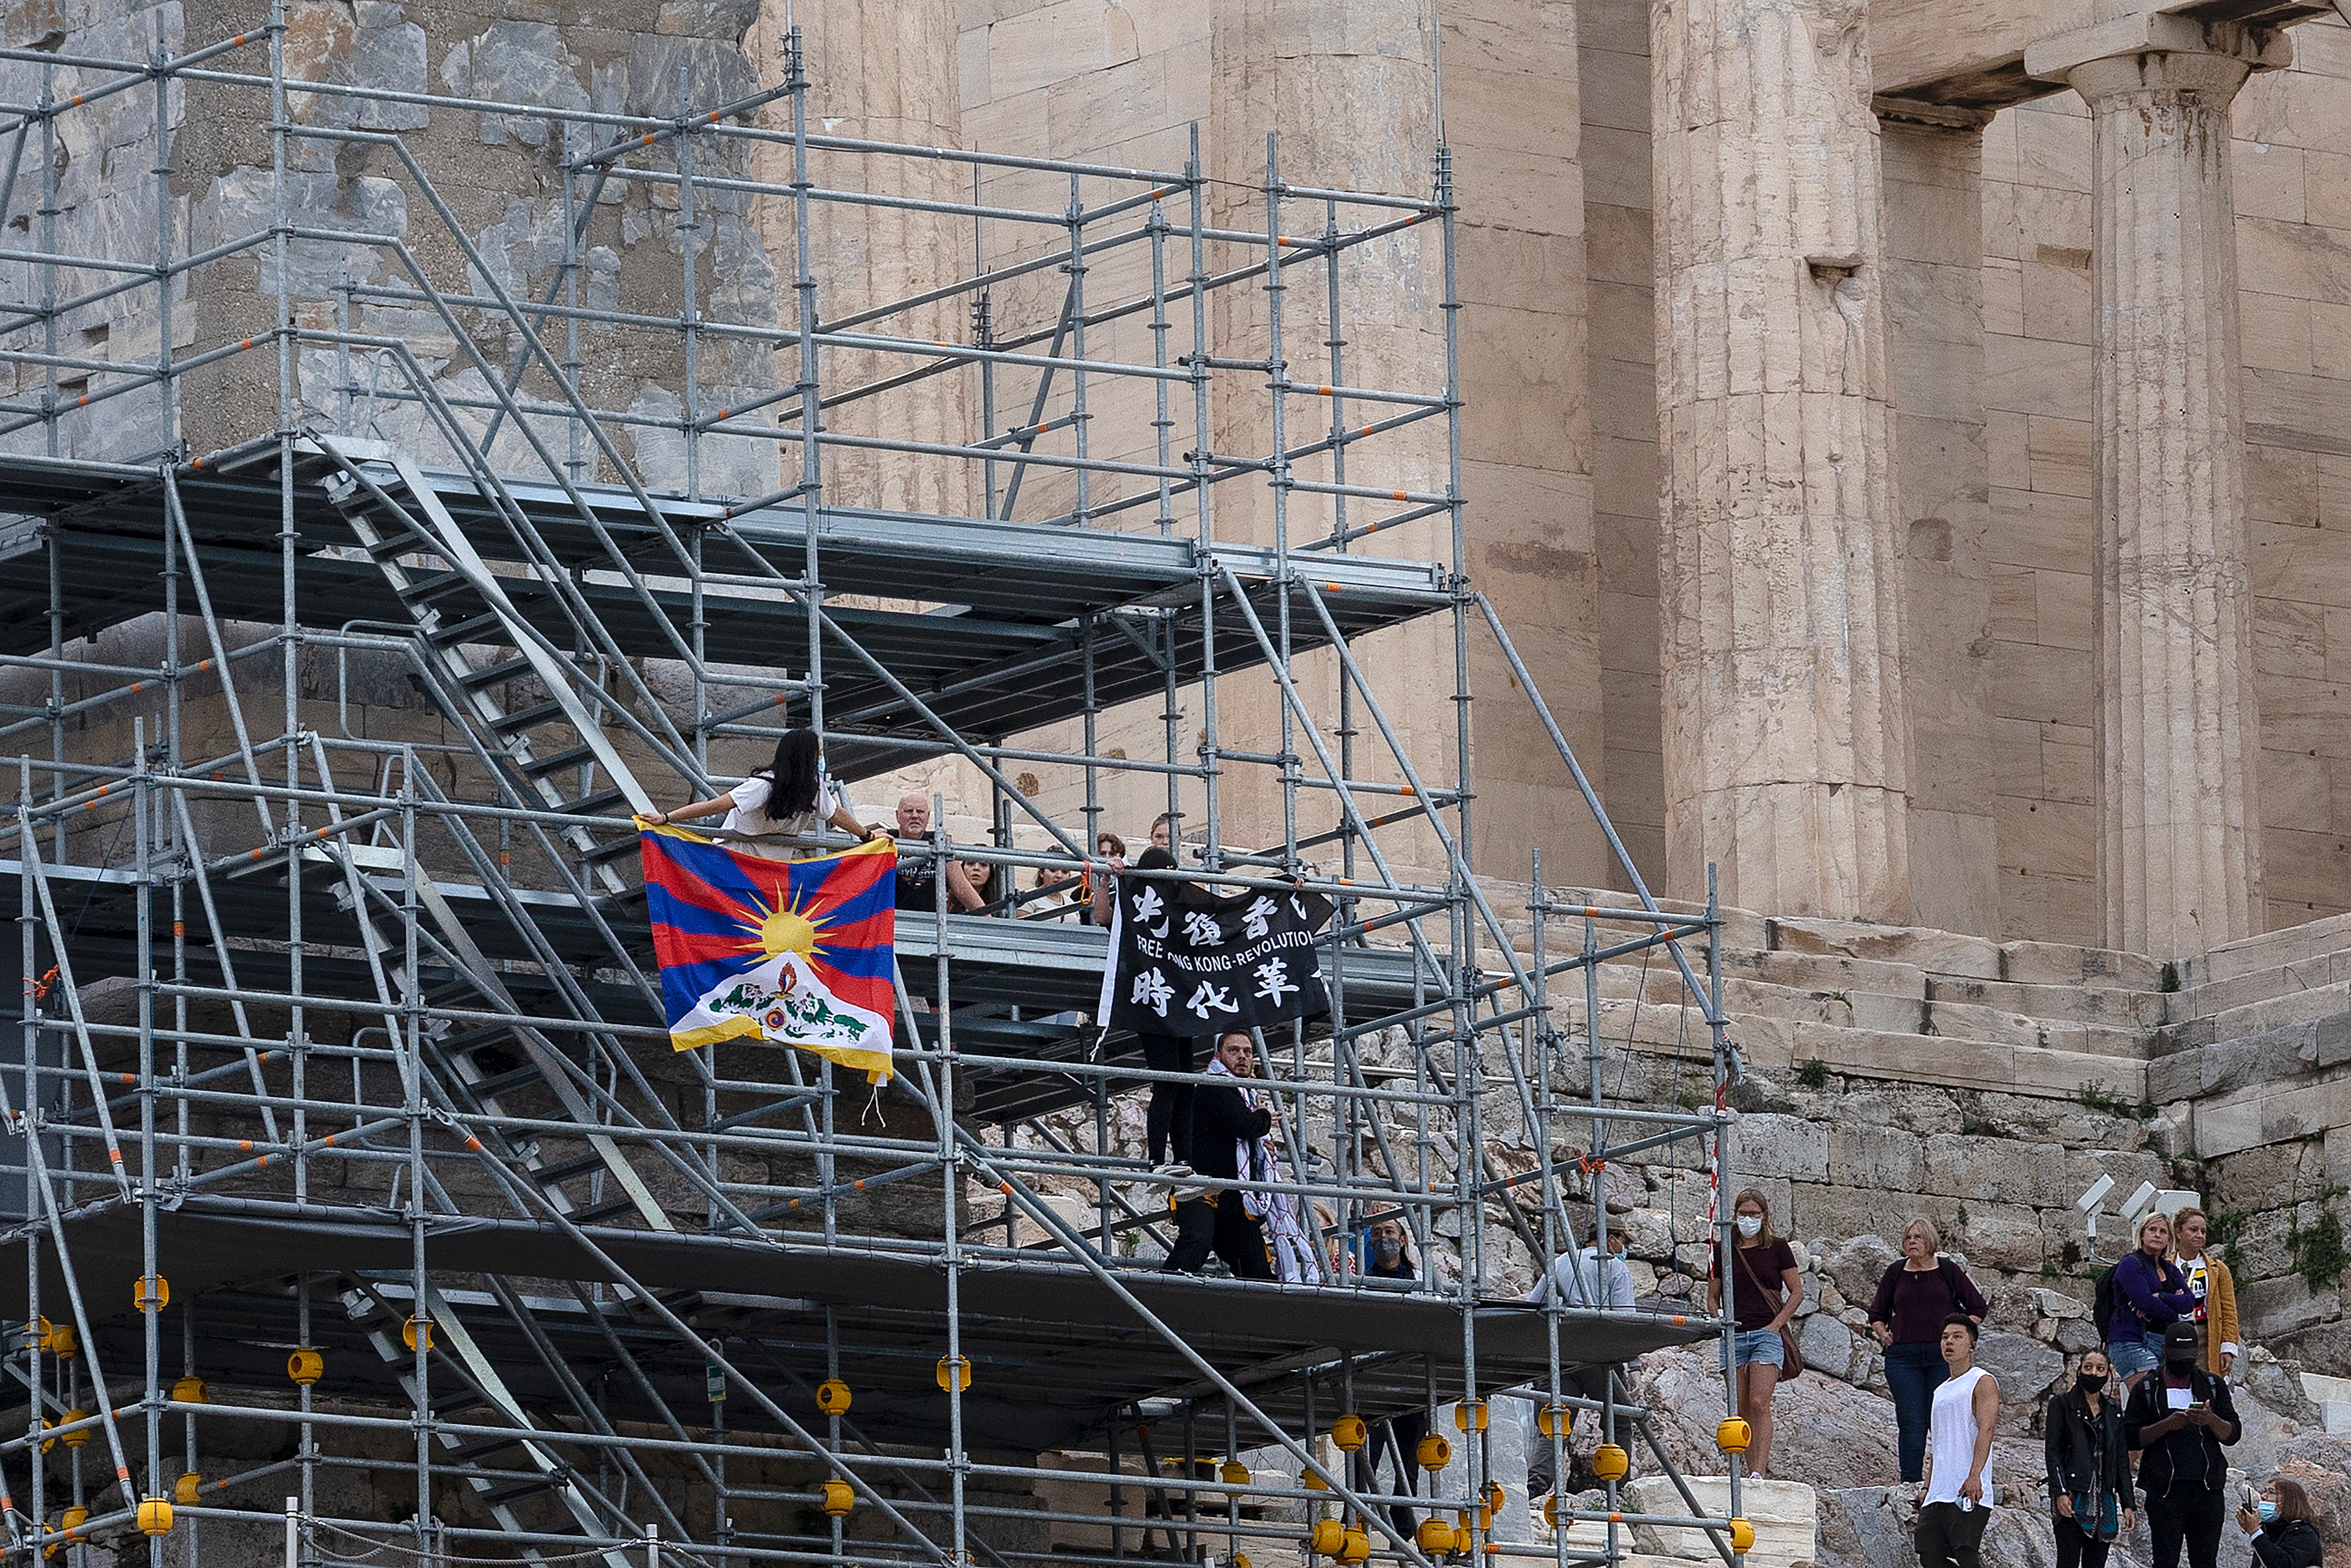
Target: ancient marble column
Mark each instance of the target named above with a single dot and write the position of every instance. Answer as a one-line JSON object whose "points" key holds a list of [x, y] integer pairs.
{"points": [[1787, 733], [2177, 743], [884, 70]]}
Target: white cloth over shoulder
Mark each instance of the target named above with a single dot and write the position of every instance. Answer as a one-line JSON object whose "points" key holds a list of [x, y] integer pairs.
{"points": [[750, 816], [1295, 1245], [1579, 1276]]}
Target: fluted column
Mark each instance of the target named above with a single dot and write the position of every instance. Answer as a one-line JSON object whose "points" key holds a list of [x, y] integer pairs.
{"points": [[2180, 863], [1787, 733]]}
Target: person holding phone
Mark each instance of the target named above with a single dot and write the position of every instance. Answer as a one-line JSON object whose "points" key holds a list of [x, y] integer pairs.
{"points": [[2179, 1417], [2283, 1526]]}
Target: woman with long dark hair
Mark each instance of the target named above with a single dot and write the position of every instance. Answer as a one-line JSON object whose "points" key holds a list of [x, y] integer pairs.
{"points": [[2090, 1491], [787, 799]]}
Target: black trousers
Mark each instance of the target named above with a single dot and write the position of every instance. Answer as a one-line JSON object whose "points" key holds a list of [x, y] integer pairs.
{"points": [[2190, 1513], [1950, 1536], [1168, 1122], [2076, 1549], [1400, 1436], [1223, 1222]]}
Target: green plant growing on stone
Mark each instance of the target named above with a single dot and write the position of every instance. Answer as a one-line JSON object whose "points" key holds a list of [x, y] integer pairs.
{"points": [[1814, 1075], [2318, 1254], [1960, 1221], [2049, 1269], [1976, 1127], [2095, 1097], [2170, 980], [1847, 997]]}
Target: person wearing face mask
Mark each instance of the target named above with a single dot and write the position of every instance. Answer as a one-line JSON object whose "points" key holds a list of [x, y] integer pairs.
{"points": [[2090, 1492], [1766, 1289], [2178, 1418], [2283, 1526], [1398, 1437]]}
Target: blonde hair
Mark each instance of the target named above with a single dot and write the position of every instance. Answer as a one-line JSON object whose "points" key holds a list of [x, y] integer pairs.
{"points": [[1926, 1228], [2157, 1217], [1765, 1237]]}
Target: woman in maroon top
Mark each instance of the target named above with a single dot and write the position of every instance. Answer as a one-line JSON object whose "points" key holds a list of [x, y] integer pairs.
{"points": [[1766, 1289], [1913, 1299]]}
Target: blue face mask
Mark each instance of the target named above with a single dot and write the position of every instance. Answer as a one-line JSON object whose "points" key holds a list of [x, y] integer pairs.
{"points": [[2266, 1510]]}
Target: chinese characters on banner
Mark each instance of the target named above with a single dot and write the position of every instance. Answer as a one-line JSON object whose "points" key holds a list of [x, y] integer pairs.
{"points": [[1183, 962]]}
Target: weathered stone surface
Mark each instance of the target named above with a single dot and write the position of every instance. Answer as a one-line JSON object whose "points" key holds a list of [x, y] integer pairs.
{"points": [[1786, 752], [2025, 1368], [2180, 855], [1787, 1146], [1993, 1170]]}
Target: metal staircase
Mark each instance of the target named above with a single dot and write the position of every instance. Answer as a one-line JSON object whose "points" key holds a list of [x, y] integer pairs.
{"points": [[457, 602]]}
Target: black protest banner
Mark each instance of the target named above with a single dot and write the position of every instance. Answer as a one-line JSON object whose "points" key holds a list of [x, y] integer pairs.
{"points": [[1183, 962]]}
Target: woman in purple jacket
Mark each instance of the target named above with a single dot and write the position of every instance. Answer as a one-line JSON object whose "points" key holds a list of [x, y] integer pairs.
{"points": [[2150, 1294]]}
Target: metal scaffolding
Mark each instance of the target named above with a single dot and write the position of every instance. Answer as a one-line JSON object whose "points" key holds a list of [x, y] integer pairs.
{"points": [[344, 1104]]}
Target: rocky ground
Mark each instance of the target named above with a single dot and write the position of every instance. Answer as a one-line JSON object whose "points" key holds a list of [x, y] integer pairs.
{"points": [[1839, 1439]]}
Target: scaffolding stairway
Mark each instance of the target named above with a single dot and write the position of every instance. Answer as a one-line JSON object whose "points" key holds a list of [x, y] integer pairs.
{"points": [[457, 602]]}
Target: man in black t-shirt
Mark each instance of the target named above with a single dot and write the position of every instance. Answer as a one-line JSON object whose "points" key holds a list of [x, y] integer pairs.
{"points": [[920, 890]]}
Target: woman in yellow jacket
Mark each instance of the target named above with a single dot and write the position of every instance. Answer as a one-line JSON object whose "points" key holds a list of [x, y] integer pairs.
{"points": [[2215, 1292]]}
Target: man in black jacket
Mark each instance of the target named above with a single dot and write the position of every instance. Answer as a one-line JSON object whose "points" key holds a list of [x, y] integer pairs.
{"points": [[1222, 1119], [2177, 1418]]}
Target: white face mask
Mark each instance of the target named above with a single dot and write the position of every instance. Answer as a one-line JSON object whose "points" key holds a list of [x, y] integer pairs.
{"points": [[1751, 1225]]}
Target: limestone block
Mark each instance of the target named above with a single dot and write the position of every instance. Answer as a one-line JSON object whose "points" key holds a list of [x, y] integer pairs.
{"points": [[1870, 1156], [2257, 1116], [2004, 1236], [1773, 1145], [1993, 1170], [2271, 1308], [2231, 1064], [1934, 952], [1782, 1512]]}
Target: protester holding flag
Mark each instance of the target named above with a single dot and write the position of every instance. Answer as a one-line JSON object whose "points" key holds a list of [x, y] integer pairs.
{"points": [[788, 799], [795, 954]]}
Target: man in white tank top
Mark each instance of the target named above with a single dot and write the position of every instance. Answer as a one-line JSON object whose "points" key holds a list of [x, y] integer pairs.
{"points": [[1955, 1500]]}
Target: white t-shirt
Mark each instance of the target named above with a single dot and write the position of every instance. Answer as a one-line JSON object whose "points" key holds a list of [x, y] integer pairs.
{"points": [[750, 816], [1951, 1440]]}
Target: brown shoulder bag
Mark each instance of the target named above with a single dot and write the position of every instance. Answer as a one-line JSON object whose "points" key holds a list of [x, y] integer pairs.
{"points": [[1791, 1360]]}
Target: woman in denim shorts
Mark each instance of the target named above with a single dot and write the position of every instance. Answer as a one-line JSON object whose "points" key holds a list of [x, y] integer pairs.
{"points": [[2150, 1293], [1766, 1291]]}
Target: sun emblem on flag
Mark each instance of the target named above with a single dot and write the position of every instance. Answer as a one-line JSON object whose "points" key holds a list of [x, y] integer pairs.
{"points": [[776, 925]]}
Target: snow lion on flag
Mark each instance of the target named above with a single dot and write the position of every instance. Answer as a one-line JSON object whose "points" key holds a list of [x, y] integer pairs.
{"points": [[796, 952]]}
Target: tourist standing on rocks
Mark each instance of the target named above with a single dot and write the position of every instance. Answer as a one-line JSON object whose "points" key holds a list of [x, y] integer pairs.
{"points": [[2178, 1418], [2090, 1492], [2149, 1295], [1766, 1289], [2215, 1290], [1955, 1500], [2284, 1527], [1914, 1297]]}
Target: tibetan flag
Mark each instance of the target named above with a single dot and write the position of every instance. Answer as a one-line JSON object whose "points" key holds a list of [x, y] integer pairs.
{"points": [[795, 952]]}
